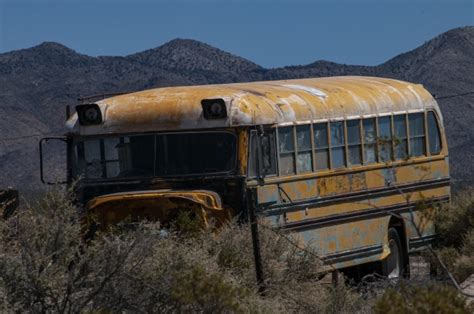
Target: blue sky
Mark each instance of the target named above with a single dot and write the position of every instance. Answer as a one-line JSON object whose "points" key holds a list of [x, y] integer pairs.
{"points": [[270, 33]]}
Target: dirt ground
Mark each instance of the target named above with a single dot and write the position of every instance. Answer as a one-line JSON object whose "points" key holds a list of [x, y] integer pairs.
{"points": [[420, 272], [468, 287]]}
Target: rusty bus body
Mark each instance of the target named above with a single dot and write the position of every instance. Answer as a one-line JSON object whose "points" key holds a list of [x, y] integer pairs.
{"points": [[340, 161]]}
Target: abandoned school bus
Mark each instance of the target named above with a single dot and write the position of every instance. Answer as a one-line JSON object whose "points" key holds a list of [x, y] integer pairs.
{"points": [[343, 162]]}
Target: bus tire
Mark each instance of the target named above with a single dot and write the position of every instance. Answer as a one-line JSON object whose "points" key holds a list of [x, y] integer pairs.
{"points": [[393, 266]]}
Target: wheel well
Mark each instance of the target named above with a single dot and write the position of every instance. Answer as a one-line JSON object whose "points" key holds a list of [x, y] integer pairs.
{"points": [[399, 225]]}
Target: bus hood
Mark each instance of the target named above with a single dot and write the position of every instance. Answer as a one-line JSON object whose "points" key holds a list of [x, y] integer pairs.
{"points": [[158, 205]]}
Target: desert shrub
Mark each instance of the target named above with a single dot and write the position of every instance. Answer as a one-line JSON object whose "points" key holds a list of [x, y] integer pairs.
{"points": [[434, 298], [46, 266], [342, 299], [453, 221], [455, 227], [291, 274], [448, 255], [210, 292], [281, 258], [468, 242], [186, 223]]}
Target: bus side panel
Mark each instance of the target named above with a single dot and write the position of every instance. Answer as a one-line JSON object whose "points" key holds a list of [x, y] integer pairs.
{"points": [[350, 243], [346, 218]]}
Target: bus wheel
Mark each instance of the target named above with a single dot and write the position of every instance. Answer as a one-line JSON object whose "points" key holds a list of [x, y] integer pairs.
{"points": [[393, 265]]}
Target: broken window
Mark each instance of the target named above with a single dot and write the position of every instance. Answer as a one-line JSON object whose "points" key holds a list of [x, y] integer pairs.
{"points": [[337, 145], [353, 142], [385, 139], [304, 160], [268, 153], [370, 141], [286, 149], [321, 145]]}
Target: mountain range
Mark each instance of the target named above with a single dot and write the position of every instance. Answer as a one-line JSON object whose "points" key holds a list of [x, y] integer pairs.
{"points": [[37, 83]]}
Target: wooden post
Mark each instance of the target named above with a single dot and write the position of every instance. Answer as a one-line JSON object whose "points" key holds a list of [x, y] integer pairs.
{"points": [[255, 242]]}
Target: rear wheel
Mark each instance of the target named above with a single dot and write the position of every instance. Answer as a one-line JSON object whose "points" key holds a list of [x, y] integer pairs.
{"points": [[393, 267]]}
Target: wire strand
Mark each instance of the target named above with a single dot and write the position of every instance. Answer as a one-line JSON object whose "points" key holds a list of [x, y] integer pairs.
{"points": [[17, 138], [454, 95]]}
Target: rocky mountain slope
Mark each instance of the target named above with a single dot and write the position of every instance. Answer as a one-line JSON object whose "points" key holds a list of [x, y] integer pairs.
{"points": [[36, 84]]}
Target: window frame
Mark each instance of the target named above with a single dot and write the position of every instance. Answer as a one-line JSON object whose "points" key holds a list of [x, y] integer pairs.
{"points": [[407, 150], [438, 130], [424, 136], [381, 142], [348, 145], [249, 153], [310, 150], [292, 127], [375, 143], [343, 145], [80, 139], [327, 149], [363, 145]]}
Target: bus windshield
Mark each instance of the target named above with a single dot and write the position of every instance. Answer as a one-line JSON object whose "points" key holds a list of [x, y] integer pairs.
{"points": [[155, 155]]}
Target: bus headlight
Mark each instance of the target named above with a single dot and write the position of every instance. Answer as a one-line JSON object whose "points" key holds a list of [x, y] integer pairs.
{"points": [[214, 108], [89, 114]]}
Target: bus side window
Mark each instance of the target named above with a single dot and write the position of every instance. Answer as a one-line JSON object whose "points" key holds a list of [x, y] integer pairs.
{"points": [[433, 134], [370, 141], [400, 138], [338, 153], [304, 160], [268, 154], [321, 145], [385, 139], [353, 142], [286, 148], [417, 134]]}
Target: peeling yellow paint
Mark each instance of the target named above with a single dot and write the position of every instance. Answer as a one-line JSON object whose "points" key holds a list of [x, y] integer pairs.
{"points": [[158, 205], [256, 103]]}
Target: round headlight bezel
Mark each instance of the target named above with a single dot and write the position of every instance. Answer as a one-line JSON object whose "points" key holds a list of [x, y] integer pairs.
{"points": [[89, 114], [214, 108]]}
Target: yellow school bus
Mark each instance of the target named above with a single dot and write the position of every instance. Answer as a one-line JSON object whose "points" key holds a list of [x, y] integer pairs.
{"points": [[343, 162]]}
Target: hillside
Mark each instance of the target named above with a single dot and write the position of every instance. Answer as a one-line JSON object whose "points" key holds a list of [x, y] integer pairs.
{"points": [[36, 84], [208, 64]]}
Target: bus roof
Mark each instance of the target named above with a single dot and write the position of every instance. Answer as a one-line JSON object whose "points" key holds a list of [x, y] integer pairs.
{"points": [[272, 102]]}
